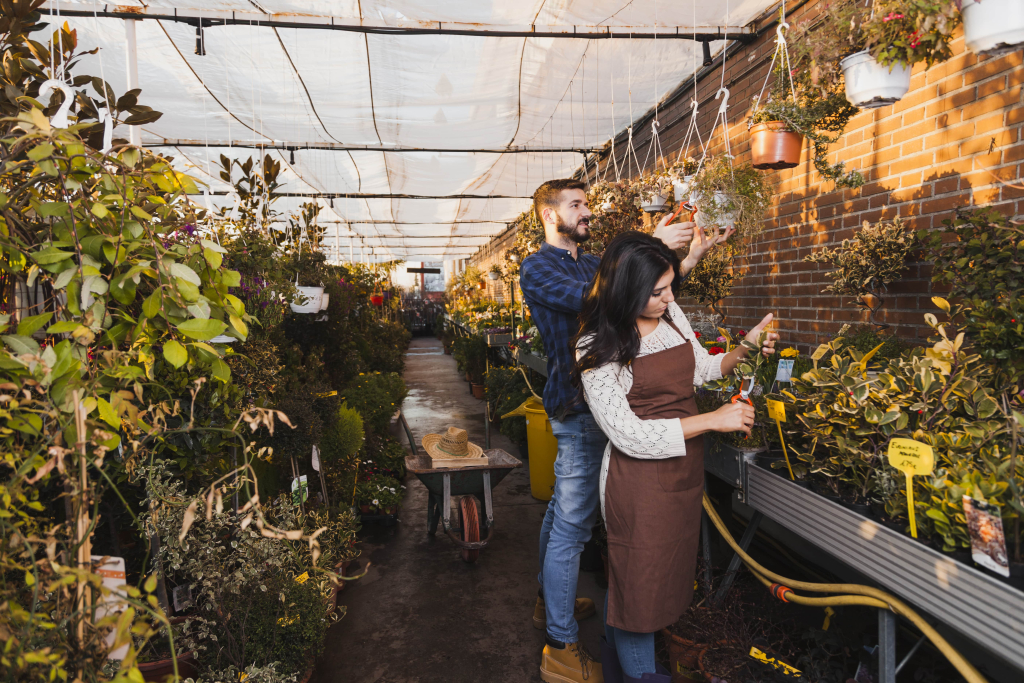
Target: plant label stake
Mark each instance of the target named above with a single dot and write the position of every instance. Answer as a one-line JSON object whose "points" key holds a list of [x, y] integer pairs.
{"points": [[911, 457], [777, 412]]}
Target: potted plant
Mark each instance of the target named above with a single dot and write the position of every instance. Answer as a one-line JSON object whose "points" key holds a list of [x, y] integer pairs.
{"points": [[618, 210], [868, 263], [873, 46], [652, 191], [992, 27], [495, 272], [680, 175], [731, 195]]}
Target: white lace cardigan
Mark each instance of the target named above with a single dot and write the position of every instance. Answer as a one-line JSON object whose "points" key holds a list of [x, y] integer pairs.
{"points": [[606, 387]]}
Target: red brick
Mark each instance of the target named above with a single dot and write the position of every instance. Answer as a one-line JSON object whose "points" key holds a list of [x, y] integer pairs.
{"points": [[992, 67]]}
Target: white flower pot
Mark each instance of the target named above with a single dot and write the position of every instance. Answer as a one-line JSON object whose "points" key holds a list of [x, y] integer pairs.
{"points": [[494, 276], [324, 300], [310, 298], [608, 207], [993, 27], [724, 220], [681, 188], [223, 339], [657, 203], [870, 85]]}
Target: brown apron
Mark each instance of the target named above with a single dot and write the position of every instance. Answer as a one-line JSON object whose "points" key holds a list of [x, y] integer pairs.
{"points": [[653, 507]]}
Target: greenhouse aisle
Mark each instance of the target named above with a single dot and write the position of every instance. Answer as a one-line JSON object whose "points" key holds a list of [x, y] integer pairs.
{"points": [[421, 613]]}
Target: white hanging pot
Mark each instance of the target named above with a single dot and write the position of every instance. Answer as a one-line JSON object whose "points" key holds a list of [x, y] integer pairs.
{"points": [[311, 297], [657, 203], [993, 27], [870, 85], [724, 220], [608, 207], [324, 300], [493, 275], [223, 339], [681, 188]]}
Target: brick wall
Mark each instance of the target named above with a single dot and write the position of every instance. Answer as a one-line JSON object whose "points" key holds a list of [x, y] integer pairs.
{"points": [[930, 153]]}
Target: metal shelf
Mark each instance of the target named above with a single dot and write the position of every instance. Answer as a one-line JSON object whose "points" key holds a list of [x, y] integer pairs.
{"points": [[983, 609], [535, 363]]}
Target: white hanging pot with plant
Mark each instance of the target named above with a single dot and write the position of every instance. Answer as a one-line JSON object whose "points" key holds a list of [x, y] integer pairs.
{"points": [[493, 275], [993, 27], [681, 188], [324, 300], [608, 207], [656, 203], [307, 299], [223, 339], [869, 85], [717, 215]]}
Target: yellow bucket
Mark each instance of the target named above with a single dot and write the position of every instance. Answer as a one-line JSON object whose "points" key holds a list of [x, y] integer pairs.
{"points": [[543, 448]]}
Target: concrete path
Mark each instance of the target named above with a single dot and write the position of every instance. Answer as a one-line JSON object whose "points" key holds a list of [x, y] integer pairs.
{"points": [[422, 614]]}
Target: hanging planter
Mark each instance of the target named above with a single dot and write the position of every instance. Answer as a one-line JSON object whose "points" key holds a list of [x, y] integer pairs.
{"points": [[773, 146], [324, 300], [493, 275], [377, 299], [609, 207], [311, 298], [869, 85], [223, 339], [681, 188], [656, 203], [993, 27]]}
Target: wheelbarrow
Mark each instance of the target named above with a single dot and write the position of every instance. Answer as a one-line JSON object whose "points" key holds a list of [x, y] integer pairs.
{"points": [[472, 483]]}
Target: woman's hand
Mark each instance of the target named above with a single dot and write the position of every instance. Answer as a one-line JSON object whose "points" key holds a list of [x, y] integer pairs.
{"points": [[676, 235], [768, 346], [734, 417]]}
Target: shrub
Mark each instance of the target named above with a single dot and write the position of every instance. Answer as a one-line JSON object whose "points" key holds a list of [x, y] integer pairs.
{"points": [[384, 347], [343, 438], [376, 396]]}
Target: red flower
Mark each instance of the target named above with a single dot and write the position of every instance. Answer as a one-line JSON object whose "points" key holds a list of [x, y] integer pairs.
{"points": [[697, 335], [743, 333], [715, 350]]}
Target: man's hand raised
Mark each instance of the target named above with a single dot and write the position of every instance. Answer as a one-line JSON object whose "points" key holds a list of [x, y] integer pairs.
{"points": [[702, 244], [675, 236]]}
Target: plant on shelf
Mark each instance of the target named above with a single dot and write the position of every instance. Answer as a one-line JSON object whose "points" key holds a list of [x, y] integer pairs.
{"points": [[867, 264], [732, 194]]}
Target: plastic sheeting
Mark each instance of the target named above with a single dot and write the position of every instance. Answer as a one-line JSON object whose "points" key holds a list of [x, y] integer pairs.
{"points": [[305, 86]]}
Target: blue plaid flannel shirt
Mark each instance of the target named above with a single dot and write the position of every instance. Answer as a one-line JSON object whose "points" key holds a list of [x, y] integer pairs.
{"points": [[554, 285]]}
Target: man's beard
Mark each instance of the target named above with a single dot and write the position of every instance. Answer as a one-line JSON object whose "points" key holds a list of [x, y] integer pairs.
{"points": [[578, 233]]}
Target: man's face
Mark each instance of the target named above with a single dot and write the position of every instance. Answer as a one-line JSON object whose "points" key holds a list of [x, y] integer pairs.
{"points": [[572, 218]]}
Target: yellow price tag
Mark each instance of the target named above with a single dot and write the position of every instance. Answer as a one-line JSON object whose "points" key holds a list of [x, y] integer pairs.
{"points": [[326, 394], [777, 412], [819, 352], [302, 578], [911, 457], [762, 657]]}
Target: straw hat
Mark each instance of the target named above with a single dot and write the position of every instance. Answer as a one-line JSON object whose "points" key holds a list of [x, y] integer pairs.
{"points": [[452, 444]]}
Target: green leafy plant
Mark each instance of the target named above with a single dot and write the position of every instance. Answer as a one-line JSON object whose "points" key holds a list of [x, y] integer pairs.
{"points": [[381, 493], [711, 279], [376, 396], [868, 263], [738, 193]]}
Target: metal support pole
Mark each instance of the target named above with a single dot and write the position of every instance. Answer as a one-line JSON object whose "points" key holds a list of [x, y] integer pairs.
{"points": [[734, 563], [886, 646], [132, 60]]}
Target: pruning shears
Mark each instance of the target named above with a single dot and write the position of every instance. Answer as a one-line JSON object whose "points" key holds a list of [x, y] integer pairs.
{"points": [[687, 206], [746, 386]]}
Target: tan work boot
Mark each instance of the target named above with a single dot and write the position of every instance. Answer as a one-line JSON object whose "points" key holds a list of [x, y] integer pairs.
{"points": [[570, 664], [583, 608]]}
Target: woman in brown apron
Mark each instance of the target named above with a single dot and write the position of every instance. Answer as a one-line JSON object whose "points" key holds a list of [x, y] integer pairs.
{"points": [[638, 363]]}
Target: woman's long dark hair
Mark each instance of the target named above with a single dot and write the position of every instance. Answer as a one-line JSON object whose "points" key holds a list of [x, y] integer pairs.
{"points": [[629, 271]]}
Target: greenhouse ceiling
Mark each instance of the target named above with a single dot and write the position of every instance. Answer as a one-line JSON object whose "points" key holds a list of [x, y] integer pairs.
{"points": [[422, 129]]}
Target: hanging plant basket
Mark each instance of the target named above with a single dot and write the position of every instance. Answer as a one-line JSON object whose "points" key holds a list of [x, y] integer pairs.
{"points": [[656, 203], [774, 146], [993, 27], [681, 188], [311, 298], [483, 285], [324, 300], [609, 207], [869, 85], [493, 275], [377, 299], [223, 339]]}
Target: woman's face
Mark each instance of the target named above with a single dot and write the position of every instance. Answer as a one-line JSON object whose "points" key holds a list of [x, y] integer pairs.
{"points": [[661, 297]]}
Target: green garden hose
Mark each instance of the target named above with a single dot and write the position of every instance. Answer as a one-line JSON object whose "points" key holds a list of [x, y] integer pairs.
{"points": [[856, 594]]}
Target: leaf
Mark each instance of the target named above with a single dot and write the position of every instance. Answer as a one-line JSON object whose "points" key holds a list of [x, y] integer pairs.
{"points": [[185, 273], [186, 523], [107, 412], [40, 152], [212, 257], [62, 327], [19, 344], [150, 584], [142, 118], [985, 409], [200, 309], [175, 353], [151, 306], [201, 329], [221, 370], [231, 278], [99, 210], [50, 255], [64, 278], [53, 209], [29, 325], [941, 303], [213, 246], [139, 213], [239, 326]]}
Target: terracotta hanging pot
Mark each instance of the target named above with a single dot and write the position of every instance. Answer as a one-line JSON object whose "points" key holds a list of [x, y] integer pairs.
{"points": [[774, 146]]}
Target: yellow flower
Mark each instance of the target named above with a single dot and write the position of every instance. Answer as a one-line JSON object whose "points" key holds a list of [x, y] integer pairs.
{"points": [[789, 353]]}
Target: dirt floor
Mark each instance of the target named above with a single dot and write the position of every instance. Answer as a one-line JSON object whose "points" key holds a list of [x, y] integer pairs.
{"points": [[422, 614]]}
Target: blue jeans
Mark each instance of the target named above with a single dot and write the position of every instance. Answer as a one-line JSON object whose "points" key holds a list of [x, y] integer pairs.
{"points": [[635, 650], [570, 519]]}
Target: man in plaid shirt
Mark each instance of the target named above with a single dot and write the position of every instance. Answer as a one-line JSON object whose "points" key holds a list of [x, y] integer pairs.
{"points": [[555, 281]]}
